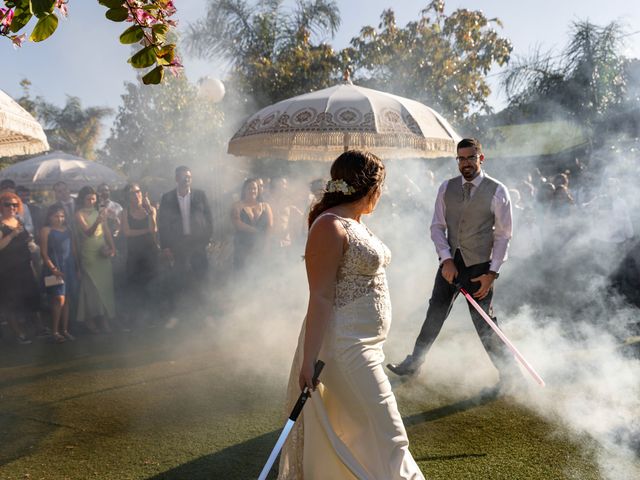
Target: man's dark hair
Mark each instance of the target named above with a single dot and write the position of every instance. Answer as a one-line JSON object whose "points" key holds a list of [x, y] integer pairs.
{"points": [[470, 142], [22, 188], [7, 183], [182, 169]]}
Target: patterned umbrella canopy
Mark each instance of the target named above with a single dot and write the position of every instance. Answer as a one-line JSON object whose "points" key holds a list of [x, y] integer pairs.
{"points": [[44, 171], [320, 125], [20, 133]]}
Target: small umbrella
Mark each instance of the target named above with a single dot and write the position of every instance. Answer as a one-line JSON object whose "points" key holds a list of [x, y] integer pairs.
{"points": [[320, 125], [20, 133], [44, 171]]}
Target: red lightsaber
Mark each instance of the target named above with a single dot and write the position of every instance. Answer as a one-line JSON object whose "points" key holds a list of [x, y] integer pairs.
{"points": [[503, 337]]}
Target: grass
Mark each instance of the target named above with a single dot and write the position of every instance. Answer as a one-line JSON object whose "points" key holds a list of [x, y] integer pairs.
{"points": [[157, 405]]}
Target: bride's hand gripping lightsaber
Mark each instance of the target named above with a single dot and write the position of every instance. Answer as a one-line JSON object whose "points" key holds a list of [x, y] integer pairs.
{"points": [[290, 422], [502, 336]]}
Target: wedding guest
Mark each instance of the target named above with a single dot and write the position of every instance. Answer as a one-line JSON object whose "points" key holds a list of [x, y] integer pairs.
{"points": [[185, 228], [138, 220], [60, 269], [35, 214], [8, 185], [252, 220], [63, 197], [113, 209], [96, 298], [19, 295]]}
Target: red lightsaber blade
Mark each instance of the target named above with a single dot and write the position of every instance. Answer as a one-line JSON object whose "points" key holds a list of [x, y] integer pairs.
{"points": [[503, 337]]}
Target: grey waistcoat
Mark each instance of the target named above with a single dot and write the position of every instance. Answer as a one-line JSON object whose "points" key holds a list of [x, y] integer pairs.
{"points": [[470, 225]]}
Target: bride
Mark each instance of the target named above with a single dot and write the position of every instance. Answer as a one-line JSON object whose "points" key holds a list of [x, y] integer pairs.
{"points": [[350, 427]]}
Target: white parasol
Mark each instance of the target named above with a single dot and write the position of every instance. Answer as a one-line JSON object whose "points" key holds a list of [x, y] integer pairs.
{"points": [[20, 133], [320, 125], [44, 171]]}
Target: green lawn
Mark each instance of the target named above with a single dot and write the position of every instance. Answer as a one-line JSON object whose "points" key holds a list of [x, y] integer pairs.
{"points": [[158, 404]]}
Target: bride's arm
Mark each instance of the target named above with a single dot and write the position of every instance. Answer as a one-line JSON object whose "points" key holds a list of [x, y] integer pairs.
{"points": [[323, 254]]}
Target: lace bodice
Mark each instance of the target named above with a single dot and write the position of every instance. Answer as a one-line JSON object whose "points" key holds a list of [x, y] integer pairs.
{"points": [[362, 271]]}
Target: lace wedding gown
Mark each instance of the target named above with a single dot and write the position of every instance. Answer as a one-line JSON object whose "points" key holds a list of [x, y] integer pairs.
{"points": [[350, 427]]}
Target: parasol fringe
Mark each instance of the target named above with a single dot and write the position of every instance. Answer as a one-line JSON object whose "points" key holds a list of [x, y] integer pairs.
{"points": [[326, 146]]}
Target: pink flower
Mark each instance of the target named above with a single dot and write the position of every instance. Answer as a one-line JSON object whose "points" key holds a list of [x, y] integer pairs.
{"points": [[169, 9], [143, 17], [62, 6], [6, 16], [18, 39], [175, 66]]}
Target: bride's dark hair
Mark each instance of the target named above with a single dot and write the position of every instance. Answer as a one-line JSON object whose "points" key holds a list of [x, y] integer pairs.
{"points": [[363, 172]]}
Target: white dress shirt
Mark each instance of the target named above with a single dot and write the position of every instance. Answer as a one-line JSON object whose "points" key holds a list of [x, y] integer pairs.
{"points": [[185, 212], [501, 209]]}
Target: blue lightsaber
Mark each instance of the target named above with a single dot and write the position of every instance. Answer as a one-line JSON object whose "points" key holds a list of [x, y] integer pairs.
{"points": [[290, 422]]}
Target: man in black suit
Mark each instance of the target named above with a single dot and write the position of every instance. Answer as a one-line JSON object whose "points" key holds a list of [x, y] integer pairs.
{"points": [[185, 226]]}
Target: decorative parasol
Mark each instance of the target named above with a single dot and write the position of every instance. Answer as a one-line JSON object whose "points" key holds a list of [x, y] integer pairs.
{"points": [[320, 125], [20, 133], [44, 171]]}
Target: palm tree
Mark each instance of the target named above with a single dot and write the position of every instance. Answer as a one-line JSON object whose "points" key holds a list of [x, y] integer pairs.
{"points": [[71, 128], [270, 48], [584, 81]]}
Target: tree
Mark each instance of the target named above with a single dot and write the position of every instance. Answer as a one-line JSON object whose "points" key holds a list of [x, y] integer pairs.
{"points": [[159, 128], [272, 52], [584, 82], [441, 60], [151, 24], [72, 129]]}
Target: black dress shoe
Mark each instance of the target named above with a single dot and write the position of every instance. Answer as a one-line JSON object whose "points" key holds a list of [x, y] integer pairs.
{"points": [[408, 367]]}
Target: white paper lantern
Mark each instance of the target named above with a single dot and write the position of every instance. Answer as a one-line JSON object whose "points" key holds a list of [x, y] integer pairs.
{"points": [[212, 89]]}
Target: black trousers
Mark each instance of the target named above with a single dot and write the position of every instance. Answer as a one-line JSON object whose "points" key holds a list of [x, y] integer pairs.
{"points": [[189, 276], [442, 298]]}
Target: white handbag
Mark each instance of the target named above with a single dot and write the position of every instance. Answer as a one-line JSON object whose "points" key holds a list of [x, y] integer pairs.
{"points": [[52, 281]]}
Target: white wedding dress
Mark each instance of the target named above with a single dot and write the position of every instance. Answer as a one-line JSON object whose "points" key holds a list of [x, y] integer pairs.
{"points": [[350, 427]]}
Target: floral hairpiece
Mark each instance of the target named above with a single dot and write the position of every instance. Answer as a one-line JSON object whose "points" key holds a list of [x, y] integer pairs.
{"points": [[341, 186]]}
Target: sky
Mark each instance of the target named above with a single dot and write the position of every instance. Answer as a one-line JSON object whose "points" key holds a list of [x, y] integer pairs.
{"points": [[84, 58]]}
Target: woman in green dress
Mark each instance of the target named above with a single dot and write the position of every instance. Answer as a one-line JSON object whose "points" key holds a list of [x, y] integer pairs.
{"points": [[96, 303]]}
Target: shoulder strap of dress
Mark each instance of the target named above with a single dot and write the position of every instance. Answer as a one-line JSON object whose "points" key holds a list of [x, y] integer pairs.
{"points": [[343, 221]]}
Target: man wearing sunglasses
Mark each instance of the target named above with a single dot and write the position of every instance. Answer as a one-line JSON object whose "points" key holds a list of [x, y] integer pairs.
{"points": [[471, 229]]}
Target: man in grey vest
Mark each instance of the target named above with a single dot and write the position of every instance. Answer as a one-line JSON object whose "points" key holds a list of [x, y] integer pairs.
{"points": [[471, 229]]}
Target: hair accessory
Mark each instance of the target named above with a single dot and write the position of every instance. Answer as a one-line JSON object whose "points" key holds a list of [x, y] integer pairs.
{"points": [[341, 186]]}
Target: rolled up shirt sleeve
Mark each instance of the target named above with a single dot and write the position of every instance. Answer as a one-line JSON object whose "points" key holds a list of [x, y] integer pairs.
{"points": [[503, 227], [439, 226]]}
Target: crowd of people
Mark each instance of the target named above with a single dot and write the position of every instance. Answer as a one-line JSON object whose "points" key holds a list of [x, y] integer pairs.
{"points": [[92, 264], [89, 264]]}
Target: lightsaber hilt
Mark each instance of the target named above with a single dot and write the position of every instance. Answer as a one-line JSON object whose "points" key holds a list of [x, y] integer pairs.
{"points": [[516, 353], [295, 413], [306, 392]]}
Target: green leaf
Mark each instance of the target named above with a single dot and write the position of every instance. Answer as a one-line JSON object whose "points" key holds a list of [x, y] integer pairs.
{"points": [[160, 32], [144, 58], [44, 28], [20, 18], [167, 53], [41, 8], [111, 3], [154, 77], [132, 34], [119, 14]]}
